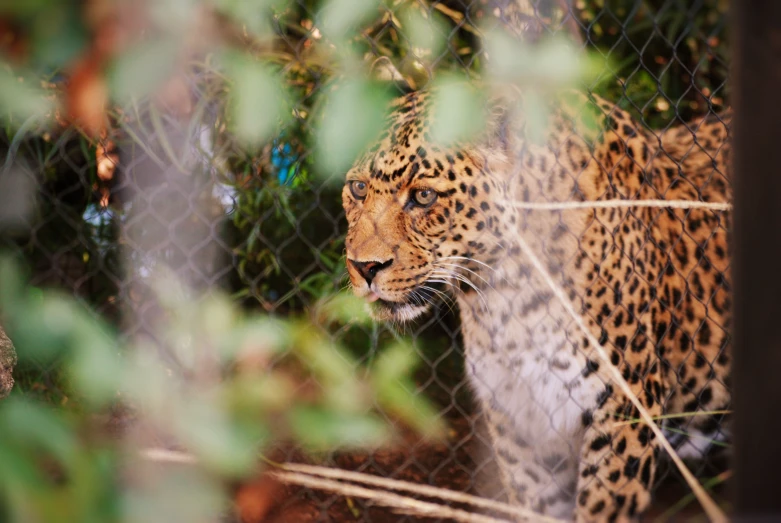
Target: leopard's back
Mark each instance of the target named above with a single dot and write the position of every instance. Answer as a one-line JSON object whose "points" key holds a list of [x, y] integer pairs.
{"points": [[657, 280]]}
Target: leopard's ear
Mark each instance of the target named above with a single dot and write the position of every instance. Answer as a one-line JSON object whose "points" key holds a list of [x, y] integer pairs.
{"points": [[383, 70]]}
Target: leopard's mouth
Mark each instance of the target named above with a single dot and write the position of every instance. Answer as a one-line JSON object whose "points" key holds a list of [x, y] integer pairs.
{"points": [[417, 302], [383, 310]]}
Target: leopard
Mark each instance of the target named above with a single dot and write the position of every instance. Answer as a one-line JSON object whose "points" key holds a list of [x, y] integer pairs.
{"points": [[429, 220]]}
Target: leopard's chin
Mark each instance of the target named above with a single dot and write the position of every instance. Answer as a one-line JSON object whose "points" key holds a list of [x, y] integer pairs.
{"points": [[382, 310]]}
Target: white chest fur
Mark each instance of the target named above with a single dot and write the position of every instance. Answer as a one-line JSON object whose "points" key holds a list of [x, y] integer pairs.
{"points": [[520, 358]]}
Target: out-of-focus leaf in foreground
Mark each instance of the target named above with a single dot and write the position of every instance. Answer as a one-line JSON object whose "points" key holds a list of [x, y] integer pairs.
{"points": [[254, 16], [340, 18], [143, 69], [20, 98], [345, 308], [395, 390], [322, 429], [426, 31], [553, 63], [46, 472], [353, 117], [449, 126], [258, 101], [231, 384]]}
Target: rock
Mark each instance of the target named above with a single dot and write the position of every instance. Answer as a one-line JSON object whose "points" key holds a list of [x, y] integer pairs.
{"points": [[7, 364]]}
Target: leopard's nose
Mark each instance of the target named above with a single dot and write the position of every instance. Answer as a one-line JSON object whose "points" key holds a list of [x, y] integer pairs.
{"points": [[369, 269]]}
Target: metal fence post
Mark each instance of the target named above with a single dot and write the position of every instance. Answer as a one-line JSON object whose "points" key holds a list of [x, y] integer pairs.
{"points": [[756, 265]]}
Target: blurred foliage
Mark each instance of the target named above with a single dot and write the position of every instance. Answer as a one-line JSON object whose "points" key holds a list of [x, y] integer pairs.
{"points": [[241, 384], [259, 107]]}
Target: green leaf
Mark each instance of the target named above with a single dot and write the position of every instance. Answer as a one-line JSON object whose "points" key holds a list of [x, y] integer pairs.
{"points": [[252, 393], [353, 117], [536, 113], [325, 359], [30, 424], [341, 17], [258, 100], [219, 444], [321, 429], [17, 470], [178, 17], [216, 316], [252, 15], [346, 308], [257, 337], [425, 31], [395, 362], [449, 126], [142, 69], [174, 494], [59, 35], [553, 63], [399, 398], [46, 338], [396, 392], [96, 368], [20, 98]]}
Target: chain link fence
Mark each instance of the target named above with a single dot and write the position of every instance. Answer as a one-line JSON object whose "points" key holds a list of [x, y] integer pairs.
{"points": [[166, 184]]}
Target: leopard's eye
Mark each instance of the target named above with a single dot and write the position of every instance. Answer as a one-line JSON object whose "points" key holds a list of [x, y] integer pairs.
{"points": [[359, 189], [424, 197]]}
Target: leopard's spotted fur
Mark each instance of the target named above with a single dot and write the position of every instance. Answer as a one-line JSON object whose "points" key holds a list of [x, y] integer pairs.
{"points": [[653, 285]]}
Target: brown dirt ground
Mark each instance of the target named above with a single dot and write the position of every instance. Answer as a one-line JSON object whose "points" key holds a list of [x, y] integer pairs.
{"points": [[457, 463], [450, 464]]}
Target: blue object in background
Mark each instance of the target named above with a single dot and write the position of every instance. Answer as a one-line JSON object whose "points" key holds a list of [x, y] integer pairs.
{"points": [[283, 159]]}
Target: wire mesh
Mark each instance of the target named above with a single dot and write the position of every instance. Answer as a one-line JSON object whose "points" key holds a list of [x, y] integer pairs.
{"points": [[266, 226]]}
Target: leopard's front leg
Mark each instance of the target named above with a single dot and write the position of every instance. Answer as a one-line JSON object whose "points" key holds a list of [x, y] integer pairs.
{"points": [[618, 459], [540, 479]]}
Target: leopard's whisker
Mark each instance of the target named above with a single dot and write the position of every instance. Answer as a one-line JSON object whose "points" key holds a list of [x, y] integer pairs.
{"points": [[468, 282], [448, 300], [468, 270], [467, 259], [463, 279]]}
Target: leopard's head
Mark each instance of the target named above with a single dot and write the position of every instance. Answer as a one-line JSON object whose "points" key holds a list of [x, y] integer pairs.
{"points": [[418, 214]]}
